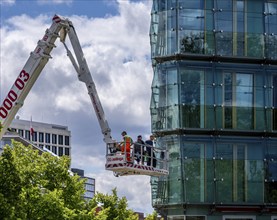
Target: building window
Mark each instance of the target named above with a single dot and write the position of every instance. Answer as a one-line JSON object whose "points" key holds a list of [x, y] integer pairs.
{"points": [[274, 102], [192, 98], [54, 149], [41, 137], [54, 139], [47, 147], [90, 181], [47, 138], [27, 135], [66, 151], [35, 136], [194, 171], [238, 100], [20, 132], [230, 184], [191, 26], [164, 102], [89, 187], [271, 28], [60, 151], [13, 129], [66, 140], [89, 195], [271, 173], [60, 139]]}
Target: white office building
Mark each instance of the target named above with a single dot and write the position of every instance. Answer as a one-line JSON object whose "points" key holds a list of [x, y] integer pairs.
{"points": [[51, 137]]}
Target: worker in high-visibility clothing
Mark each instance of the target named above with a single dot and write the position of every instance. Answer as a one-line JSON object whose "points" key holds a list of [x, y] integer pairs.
{"points": [[125, 145]]}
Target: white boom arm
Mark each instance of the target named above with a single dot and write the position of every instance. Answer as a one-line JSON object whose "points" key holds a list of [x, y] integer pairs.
{"points": [[35, 64]]}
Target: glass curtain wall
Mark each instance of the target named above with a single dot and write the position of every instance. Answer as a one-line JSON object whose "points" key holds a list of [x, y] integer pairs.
{"points": [[215, 27], [226, 170], [211, 96], [199, 87]]}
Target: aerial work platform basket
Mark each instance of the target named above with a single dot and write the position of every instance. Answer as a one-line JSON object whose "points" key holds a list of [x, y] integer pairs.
{"points": [[124, 163]]}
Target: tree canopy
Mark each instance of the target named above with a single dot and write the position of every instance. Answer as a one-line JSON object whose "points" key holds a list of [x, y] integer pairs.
{"points": [[40, 186]]}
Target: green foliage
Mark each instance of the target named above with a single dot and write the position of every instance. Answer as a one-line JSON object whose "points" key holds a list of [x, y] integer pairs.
{"points": [[111, 207], [39, 186], [153, 216], [34, 186]]}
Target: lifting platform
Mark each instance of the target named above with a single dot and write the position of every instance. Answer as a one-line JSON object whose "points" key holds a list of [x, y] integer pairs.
{"points": [[121, 165]]}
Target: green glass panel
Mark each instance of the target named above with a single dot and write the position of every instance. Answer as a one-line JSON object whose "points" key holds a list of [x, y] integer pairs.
{"points": [[218, 103], [244, 101], [194, 172], [255, 181], [174, 178], [255, 38], [210, 184], [271, 29], [270, 163], [209, 100], [192, 96], [260, 102], [223, 173], [274, 98]]}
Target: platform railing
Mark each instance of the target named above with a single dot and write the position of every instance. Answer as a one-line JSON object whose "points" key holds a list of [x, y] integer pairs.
{"points": [[141, 154]]}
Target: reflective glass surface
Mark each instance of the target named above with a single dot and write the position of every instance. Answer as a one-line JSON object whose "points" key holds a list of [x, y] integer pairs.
{"points": [[214, 96], [227, 170], [214, 64], [213, 27]]}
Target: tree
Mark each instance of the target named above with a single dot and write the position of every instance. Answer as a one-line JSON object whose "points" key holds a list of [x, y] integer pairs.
{"points": [[111, 207], [152, 216], [40, 186]]}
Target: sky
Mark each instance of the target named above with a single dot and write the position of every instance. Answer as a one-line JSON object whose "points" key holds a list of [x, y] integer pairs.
{"points": [[114, 35]]}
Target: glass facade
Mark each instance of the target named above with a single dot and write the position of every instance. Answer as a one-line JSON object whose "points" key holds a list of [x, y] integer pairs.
{"points": [[214, 102], [227, 96], [231, 28]]}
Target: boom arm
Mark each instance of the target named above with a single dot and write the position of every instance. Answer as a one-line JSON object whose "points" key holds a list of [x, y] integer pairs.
{"points": [[35, 64], [84, 75]]}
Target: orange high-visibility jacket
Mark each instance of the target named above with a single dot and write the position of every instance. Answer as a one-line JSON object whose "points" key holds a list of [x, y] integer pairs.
{"points": [[126, 144]]}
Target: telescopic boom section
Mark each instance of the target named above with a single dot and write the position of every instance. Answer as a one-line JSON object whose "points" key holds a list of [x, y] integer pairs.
{"points": [[34, 66], [29, 74], [84, 75]]}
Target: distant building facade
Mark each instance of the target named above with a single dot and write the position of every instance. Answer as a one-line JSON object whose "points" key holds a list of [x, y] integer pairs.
{"points": [[54, 138], [9, 136], [89, 184]]}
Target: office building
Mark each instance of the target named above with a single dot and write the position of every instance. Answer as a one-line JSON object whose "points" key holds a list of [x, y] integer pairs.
{"points": [[89, 184], [214, 108], [50, 137], [9, 136]]}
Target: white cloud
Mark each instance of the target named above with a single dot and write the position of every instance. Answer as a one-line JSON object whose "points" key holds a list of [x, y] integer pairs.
{"points": [[7, 2], [55, 2], [115, 48]]}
